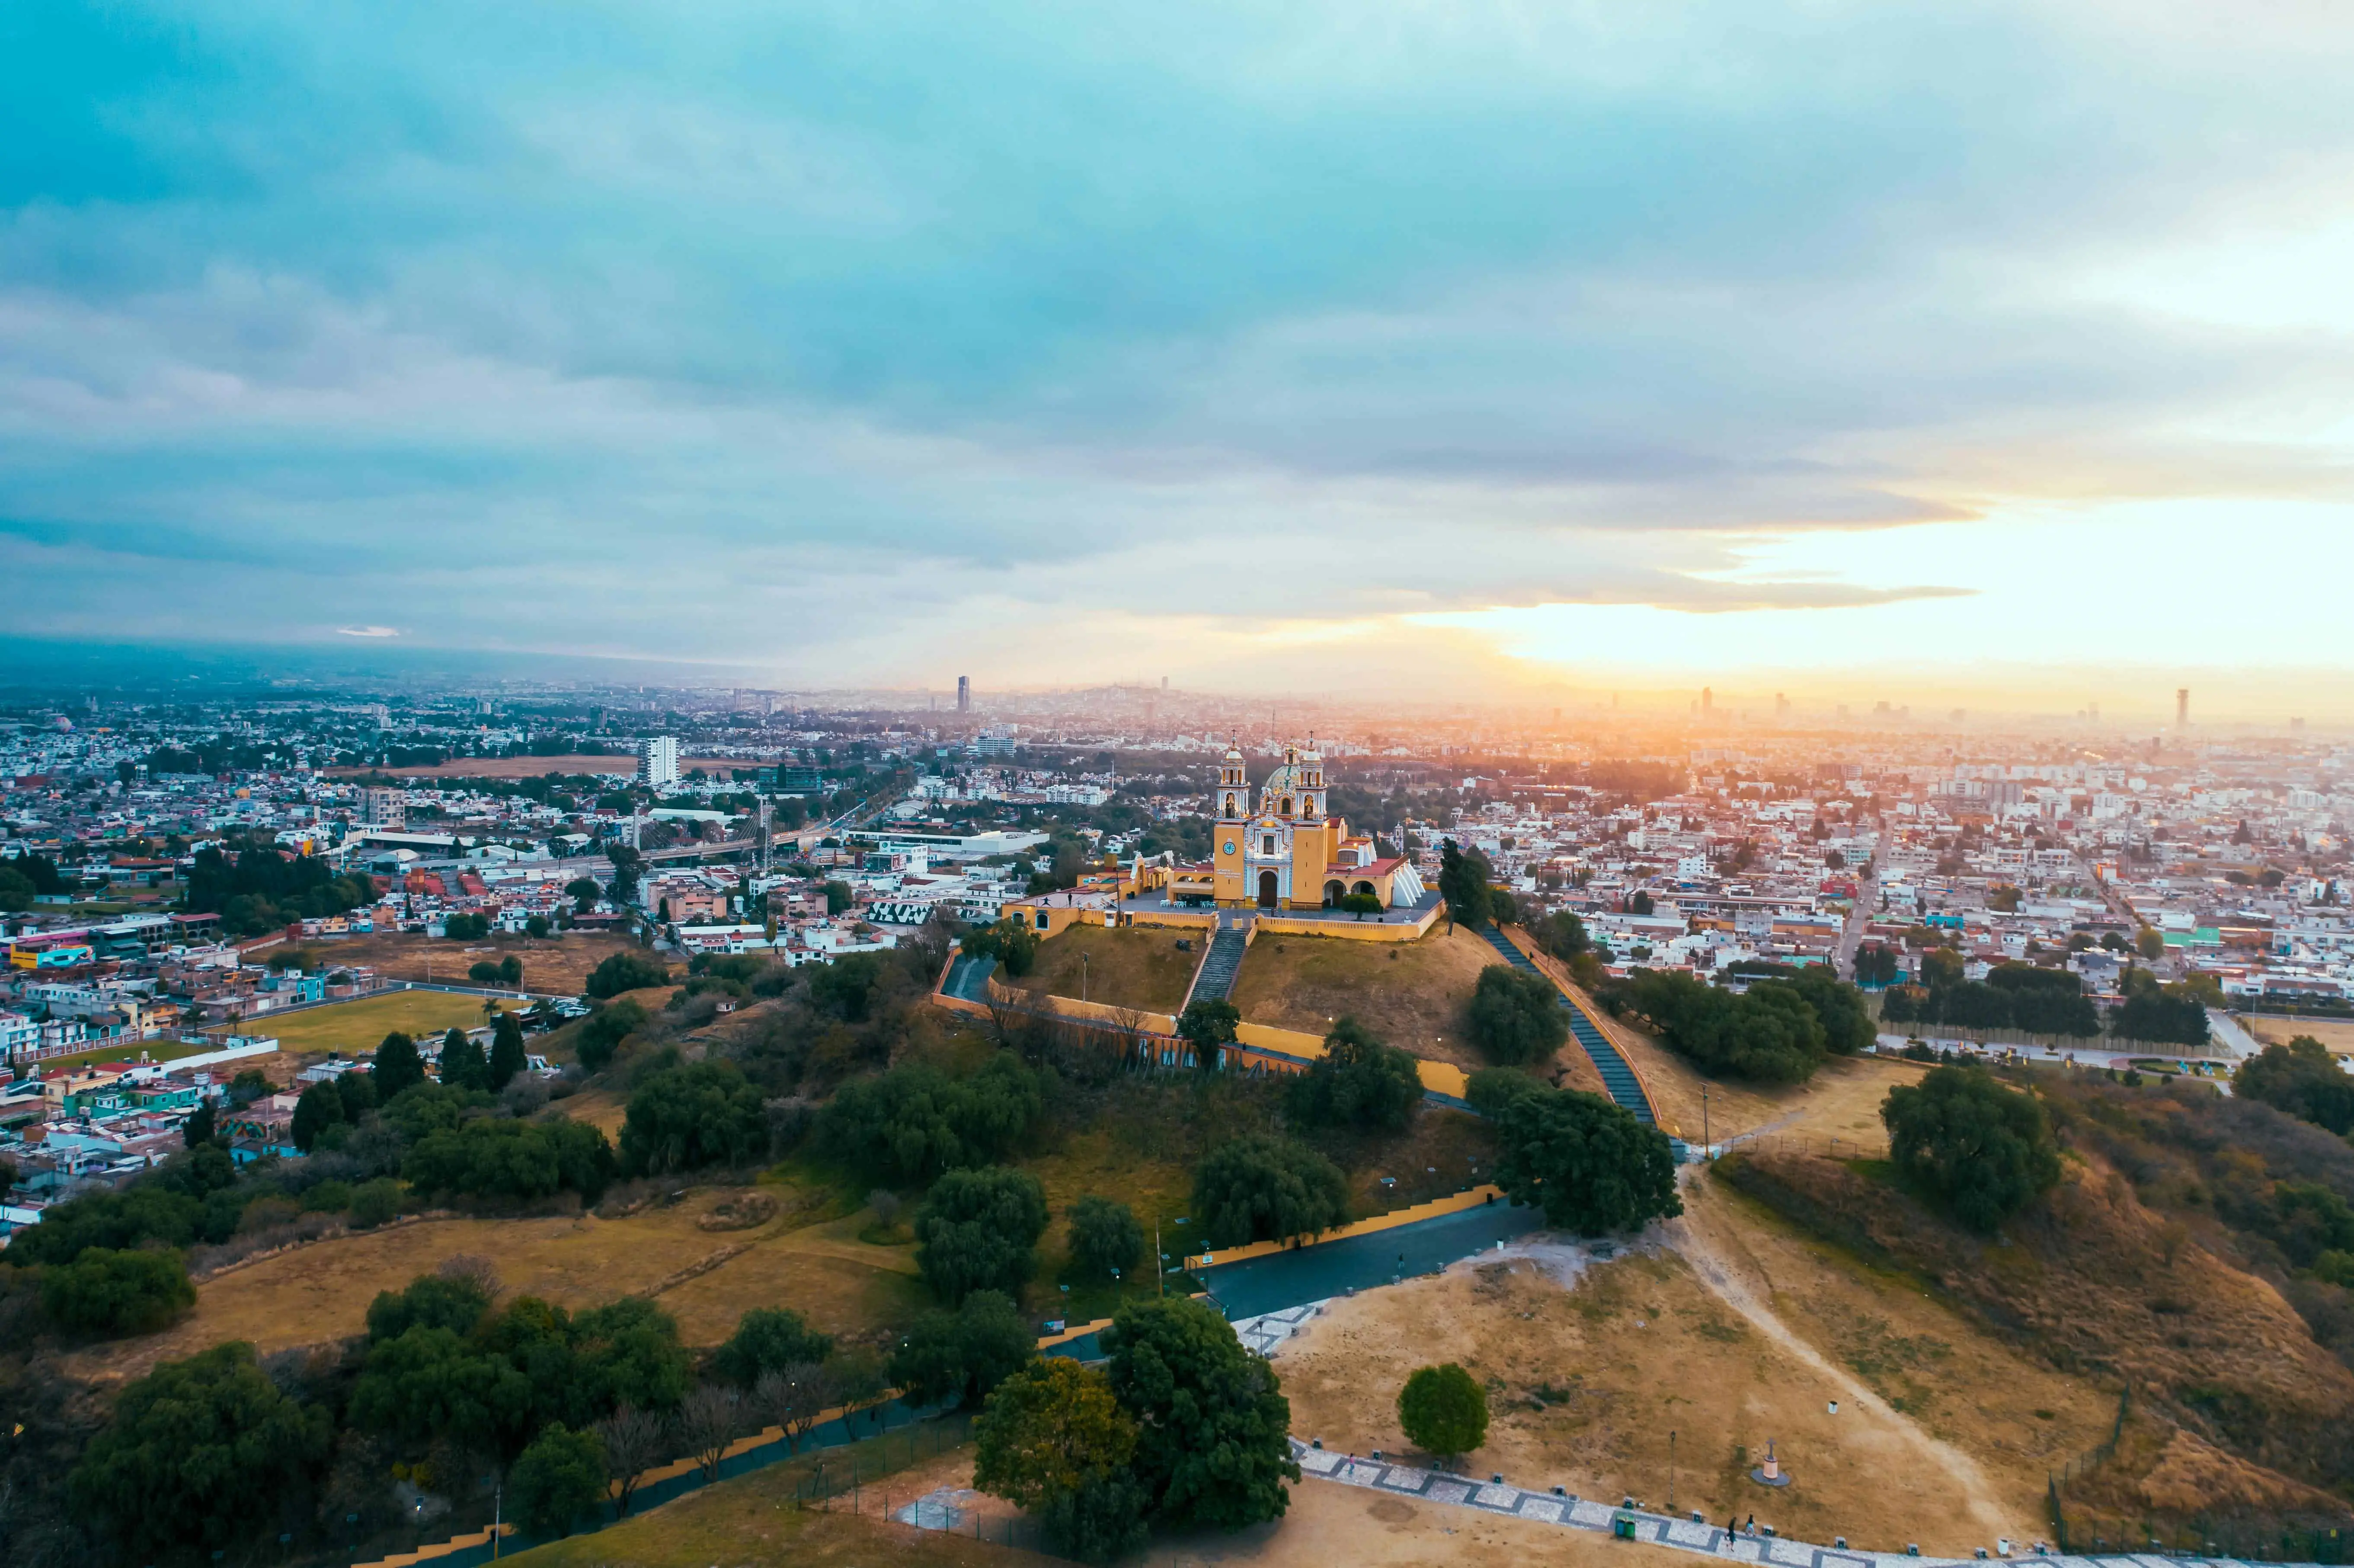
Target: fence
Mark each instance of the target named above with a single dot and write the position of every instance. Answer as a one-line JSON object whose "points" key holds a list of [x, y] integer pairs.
{"points": [[2083, 1464], [861, 1482], [1806, 1143]]}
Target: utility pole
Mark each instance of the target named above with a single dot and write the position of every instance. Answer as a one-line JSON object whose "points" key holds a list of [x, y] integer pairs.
{"points": [[1159, 1286]]}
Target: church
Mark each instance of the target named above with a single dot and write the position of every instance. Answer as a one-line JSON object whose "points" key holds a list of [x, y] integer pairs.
{"points": [[1288, 852]]}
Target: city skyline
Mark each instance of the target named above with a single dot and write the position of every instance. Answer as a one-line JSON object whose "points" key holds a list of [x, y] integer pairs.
{"points": [[1992, 360]]}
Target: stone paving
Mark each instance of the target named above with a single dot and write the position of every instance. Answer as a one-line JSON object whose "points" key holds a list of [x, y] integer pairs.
{"points": [[1264, 1333], [943, 1508], [1683, 1534]]}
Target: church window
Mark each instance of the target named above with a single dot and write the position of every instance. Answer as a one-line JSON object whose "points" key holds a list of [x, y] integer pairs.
{"points": [[1287, 805], [1230, 805], [1270, 843]]}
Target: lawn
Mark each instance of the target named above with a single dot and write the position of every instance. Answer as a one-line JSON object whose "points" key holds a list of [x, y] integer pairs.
{"points": [[1415, 995], [121, 1051], [1134, 966], [361, 1025]]}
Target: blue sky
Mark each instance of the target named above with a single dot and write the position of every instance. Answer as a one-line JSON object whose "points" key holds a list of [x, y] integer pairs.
{"points": [[1281, 347]]}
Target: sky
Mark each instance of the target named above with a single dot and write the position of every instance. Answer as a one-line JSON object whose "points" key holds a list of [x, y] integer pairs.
{"points": [[1448, 349]]}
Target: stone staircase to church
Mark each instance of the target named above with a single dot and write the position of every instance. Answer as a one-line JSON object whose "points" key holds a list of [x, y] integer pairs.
{"points": [[1220, 965]]}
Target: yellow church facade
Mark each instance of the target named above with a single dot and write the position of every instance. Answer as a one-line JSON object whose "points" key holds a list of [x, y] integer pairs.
{"points": [[1288, 852]]}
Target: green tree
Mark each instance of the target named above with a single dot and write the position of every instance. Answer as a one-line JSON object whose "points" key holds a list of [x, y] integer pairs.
{"points": [[1105, 1237], [398, 1066], [462, 1064], [1770, 1033], [500, 1156], [1983, 1149], [1054, 1441], [558, 1479], [979, 1229], [16, 889], [430, 1385], [838, 897], [507, 1052], [962, 1355], [1212, 1446], [2303, 1079], [2149, 944], [769, 1339], [319, 1108], [603, 1030], [1207, 1024], [198, 1128], [1463, 879], [690, 1116], [1563, 935], [106, 1294], [1517, 1016], [511, 971], [1358, 1082], [625, 970], [1258, 1187], [1443, 1411], [195, 1455], [1590, 1165], [584, 893]]}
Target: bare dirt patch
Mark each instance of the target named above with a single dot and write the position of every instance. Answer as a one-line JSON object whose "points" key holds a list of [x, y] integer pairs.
{"points": [[1134, 966], [2336, 1034], [1585, 1383], [556, 965], [1415, 995]]}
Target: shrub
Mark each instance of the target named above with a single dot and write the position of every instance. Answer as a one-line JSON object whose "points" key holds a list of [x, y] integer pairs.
{"points": [[145, 1212], [604, 1030], [1105, 1237], [979, 1229], [1266, 1189], [483, 973], [769, 1339], [451, 1301], [1517, 1016], [1563, 935], [701, 1113], [913, 1122], [106, 1294], [962, 1355], [195, 1453], [374, 1203], [558, 1479], [626, 970], [1443, 1411], [1490, 1089], [1587, 1164], [1358, 1082], [1207, 1024], [1982, 1149]]}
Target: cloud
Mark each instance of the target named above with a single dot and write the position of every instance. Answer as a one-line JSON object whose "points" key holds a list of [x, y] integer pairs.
{"points": [[846, 339], [365, 631]]}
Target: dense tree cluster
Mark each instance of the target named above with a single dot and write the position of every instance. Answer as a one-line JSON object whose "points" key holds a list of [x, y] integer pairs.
{"points": [[1590, 1165], [2164, 1014], [1259, 1188], [503, 1158], [979, 1230], [258, 889], [1981, 1148], [2302, 1078], [1517, 1016], [1104, 1238], [1357, 1082], [625, 970], [2012, 996], [1777, 1031], [914, 1121], [692, 1114]]}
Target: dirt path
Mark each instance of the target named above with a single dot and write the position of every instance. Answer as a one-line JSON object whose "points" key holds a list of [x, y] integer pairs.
{"points": [[1709, 1244]]}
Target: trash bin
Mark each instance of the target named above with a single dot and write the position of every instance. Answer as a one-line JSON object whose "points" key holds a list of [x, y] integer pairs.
{"points": [[1622, 1525]]}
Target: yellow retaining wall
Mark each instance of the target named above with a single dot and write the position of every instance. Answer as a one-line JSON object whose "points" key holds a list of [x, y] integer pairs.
{"points": [[1473, 1199], [1353, 930]]}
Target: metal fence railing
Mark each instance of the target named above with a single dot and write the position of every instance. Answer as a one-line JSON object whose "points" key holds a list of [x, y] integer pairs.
{"points": [[1821, 1143]]}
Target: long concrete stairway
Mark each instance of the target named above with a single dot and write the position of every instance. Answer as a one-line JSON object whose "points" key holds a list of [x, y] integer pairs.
{"points": [[1624, 1087], [1220, 965]]}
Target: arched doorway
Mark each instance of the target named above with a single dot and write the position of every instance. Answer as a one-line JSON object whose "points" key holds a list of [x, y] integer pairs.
{"points": [[1361, 888], [1334, 894], [1267, 890]]}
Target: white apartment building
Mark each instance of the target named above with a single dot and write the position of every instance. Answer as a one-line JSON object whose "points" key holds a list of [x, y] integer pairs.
{"points": [[658, 761]]}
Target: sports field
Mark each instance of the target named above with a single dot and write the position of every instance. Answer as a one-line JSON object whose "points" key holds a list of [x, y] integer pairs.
{"points": [[361, 1025]]}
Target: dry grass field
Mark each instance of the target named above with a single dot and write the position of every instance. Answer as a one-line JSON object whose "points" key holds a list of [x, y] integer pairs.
{"points": [[1134, 966], [554, 965], [1842, 1099], [1941, 1435], [2337, 1035], [322, 1291], [1415, 995]]}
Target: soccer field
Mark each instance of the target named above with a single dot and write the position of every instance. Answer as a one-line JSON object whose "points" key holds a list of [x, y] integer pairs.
{"points": [[361, 1026]]}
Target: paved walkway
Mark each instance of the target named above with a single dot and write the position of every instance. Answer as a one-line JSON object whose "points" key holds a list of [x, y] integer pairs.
{"points": [[1682, 1534]]}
